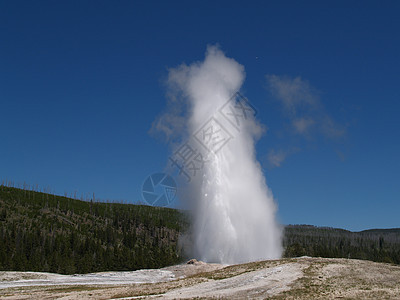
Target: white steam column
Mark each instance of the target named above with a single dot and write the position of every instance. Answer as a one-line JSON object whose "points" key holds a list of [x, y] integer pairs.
{"points": [[233, 207]]}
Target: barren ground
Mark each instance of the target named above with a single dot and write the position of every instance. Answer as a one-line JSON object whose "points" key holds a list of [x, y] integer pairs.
{"points": [[298, 278]]}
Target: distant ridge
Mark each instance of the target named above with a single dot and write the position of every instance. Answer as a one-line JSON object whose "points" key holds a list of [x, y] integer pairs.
{"points": [[375, 230], [389, 230], [381, 245]]}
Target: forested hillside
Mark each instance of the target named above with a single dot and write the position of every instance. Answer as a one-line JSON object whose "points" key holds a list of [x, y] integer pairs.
{"points": [[43, 232], [382, 245]]}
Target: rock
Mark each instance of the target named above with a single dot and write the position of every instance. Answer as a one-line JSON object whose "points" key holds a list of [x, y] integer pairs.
{"points": [[193, 261]]}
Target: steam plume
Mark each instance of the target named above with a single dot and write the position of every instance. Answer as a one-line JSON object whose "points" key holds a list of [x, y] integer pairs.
{"points": [[234, 210]]}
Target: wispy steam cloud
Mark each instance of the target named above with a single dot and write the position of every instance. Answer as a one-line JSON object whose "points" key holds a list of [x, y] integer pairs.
{"points": [[277, 157], [294, 93], [302, 106], [304, 110], [170, 125]]}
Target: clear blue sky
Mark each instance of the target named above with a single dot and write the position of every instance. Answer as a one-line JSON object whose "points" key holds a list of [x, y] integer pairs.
{"points": [[82, 81]]}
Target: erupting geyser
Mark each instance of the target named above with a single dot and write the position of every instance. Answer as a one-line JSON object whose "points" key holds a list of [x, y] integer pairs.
{"points": [[234, 211]]}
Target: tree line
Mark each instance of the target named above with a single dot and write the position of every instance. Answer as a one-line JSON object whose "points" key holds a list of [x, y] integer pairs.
{"points": [[44, 232], [381, 245], [49, 233]]}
